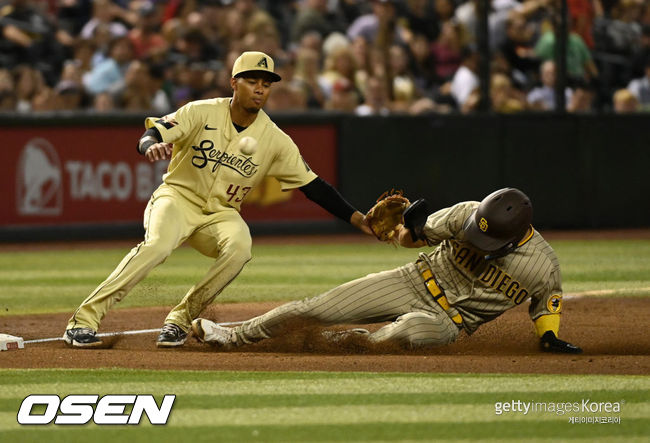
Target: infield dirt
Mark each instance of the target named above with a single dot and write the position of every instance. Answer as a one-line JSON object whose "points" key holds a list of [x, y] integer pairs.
{"points": [[612, 332]]}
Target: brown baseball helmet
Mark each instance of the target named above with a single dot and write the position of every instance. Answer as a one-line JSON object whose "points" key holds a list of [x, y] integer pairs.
{"points": [[500, 221]]}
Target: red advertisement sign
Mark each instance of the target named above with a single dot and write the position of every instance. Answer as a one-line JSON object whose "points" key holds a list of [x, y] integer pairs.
{"points": [[82, 175]]}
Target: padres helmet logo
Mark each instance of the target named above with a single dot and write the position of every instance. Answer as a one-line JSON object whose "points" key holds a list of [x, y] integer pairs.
{"points": [[554, 304], [483, 224]]}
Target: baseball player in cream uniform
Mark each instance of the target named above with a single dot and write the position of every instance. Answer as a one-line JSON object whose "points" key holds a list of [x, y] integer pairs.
{"points": [[219, 150], [487, 259]]}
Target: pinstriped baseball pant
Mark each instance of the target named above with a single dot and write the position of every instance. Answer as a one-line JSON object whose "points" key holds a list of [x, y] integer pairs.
{"points": [[397, 295]]}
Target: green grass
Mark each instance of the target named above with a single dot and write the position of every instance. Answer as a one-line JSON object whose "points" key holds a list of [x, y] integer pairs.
{"points": [[57, 281], [267, 406], [318, 406]]}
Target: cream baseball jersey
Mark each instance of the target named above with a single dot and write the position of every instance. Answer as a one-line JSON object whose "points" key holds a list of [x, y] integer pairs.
{"points": [[211, 166], [481, 289]]}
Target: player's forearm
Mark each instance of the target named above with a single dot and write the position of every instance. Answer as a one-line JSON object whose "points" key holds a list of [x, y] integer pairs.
{"points": [[150, 137], [324, 195], [406, 240]]}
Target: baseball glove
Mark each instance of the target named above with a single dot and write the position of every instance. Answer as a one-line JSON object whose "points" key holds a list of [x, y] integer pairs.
{"points": [[386, 217]]}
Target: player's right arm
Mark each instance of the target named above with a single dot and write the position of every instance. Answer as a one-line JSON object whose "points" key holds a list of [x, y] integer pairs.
{"points": [[405, 239], [157, 141], [152, 147]]}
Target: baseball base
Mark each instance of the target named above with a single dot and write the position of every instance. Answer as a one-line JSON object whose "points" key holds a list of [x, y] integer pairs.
{"points": [[10, 342]]}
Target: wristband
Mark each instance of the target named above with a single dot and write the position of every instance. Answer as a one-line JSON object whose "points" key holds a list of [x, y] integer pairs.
{"points": [[145, 142]]}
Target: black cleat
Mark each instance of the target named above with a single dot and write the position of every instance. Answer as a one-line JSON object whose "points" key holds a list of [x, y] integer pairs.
{"points": [[81, 338], [171, 336]]}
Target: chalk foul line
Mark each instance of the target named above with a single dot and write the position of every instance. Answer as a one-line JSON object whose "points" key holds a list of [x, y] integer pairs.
{"points": [[113, 334]]}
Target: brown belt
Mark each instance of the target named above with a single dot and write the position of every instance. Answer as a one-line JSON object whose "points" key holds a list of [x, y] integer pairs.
{"points": [[439, 296]]}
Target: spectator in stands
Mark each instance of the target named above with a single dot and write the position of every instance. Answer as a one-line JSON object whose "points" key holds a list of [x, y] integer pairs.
{"points": [[103, 102], [145, 36], [640, 87], [402, 86], [266, 38], [32, 93], [311, 40], [137, 93], [315, 16], [256, 20], [191, 46], [542, 97], [108, 75], [190, 82], [518, 49], [376, 100], [203, 33], [617, 27], [422, 63], [505, 98], [580, 64], [108, 14], [625, 102], [344, 97], [68, 96], [465, 80], [340, 63], [72, 15], [467, 15], [306, 77], [361, 50], [7, 91], [101, 42], [424, 16], [286, 97], [83, 55], [446, 51], [582, 14], [211, 26], [642, 52], [380, 27], [30, 36], [582, 99]]}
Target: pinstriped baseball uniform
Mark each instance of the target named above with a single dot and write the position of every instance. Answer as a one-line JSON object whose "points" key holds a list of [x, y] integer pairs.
{"points": [[209, 176], [477, 289]]}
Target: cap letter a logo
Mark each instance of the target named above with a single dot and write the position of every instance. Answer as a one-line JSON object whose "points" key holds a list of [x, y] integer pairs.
{"points": [[262, 63]]}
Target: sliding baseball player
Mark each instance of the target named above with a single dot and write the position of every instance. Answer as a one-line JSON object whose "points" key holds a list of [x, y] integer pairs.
{"points": [[487, 259]]}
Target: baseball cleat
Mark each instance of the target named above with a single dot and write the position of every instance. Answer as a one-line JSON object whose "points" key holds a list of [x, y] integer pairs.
{"points": [[81, 338], [207, 331], [337, 336], [171, 336]]}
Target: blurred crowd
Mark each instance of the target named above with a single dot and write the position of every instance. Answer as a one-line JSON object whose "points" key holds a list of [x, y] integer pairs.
{"points": [[364, 57]]}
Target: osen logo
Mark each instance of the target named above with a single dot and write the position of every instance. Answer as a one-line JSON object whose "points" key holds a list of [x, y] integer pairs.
{"points": [[79, 410]]}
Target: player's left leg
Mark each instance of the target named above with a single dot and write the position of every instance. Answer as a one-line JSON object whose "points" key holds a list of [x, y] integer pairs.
{"points": [[227, 238], [376, 297], [418, 329]]}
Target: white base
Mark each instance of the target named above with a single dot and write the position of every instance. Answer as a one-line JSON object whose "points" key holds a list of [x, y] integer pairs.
{"points": [[9, 342]]}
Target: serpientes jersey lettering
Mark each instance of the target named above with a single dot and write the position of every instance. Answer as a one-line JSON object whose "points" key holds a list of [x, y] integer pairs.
{"points": [[481, 289], [208, 166]]}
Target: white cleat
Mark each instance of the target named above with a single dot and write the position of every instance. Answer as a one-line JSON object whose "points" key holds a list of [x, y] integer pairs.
{"points": [[207, 331]]}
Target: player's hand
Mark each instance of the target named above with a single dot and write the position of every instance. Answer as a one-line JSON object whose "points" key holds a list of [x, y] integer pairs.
{"points": [[405, 239], [358, 220], [159, 151], [550, 343]]}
